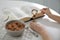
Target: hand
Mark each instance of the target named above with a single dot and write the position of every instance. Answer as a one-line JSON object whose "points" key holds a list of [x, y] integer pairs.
{"points": [[36, 27], [46, 11]]}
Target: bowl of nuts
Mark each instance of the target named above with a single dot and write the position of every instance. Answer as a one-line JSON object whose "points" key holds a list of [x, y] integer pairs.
{"points": [[15, 27]]}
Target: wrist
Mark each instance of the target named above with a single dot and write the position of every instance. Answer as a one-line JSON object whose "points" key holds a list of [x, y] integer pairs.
{"points": [[45, 36], [49, 15]]}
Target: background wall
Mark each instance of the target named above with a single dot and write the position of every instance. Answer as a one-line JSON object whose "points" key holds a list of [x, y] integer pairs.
{"points": [[54, 4]]}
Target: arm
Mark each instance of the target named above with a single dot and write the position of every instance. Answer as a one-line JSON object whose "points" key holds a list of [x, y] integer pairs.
{"points": [[38, 28], [52, 16]]}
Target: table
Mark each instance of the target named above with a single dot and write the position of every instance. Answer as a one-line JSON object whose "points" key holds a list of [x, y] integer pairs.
{"points": [[50, 25]]}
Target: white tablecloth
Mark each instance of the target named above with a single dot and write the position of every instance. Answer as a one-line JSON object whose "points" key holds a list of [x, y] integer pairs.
{"points": [[52, 27]]}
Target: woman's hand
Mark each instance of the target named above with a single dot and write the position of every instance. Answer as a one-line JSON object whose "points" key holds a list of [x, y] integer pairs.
{"points": [[50, 15], [46, 11], [38, 28]]}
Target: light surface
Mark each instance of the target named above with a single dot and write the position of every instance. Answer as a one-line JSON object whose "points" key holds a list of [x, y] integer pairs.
{"points": [[52, 28]]}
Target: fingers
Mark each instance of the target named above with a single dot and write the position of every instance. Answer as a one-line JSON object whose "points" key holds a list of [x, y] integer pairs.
{"points": [[44, 10], [32, 25], [36, 27]]}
